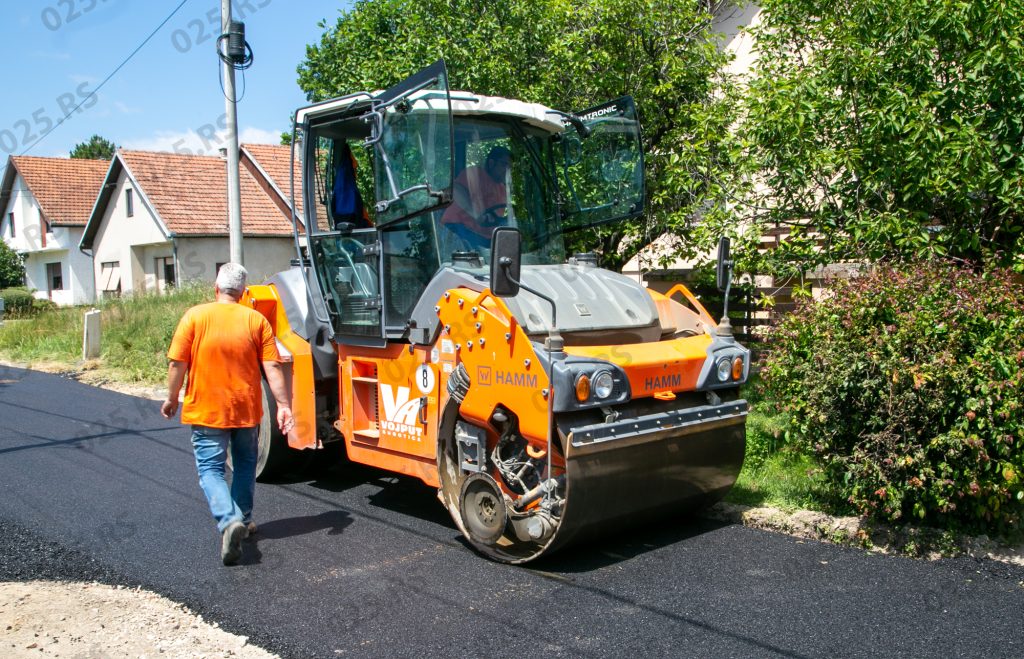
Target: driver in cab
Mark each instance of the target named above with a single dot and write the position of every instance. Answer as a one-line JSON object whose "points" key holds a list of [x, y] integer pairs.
{"points": [[480, 199]]}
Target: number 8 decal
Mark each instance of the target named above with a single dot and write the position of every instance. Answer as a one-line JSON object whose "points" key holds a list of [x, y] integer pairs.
{"points": [[425, 379]]}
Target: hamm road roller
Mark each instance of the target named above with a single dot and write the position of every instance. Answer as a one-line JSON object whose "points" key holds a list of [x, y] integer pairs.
{"points": [[433, 324]]}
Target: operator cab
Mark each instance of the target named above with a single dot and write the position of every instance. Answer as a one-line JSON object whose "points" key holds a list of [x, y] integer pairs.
{"points": [[401, 184]]}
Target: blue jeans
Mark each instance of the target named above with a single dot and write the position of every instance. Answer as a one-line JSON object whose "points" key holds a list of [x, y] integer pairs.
{"points": [[234, 503]]}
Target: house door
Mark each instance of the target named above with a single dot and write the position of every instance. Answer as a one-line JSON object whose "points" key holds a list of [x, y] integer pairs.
{"points": [[54, 278], [165, 279]]}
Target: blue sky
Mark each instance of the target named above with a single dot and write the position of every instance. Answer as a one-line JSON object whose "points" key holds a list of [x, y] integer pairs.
{"points": [[169, 93]]}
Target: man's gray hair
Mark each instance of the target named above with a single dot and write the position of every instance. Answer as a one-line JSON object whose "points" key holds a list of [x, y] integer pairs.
{"points": [[231, 278]]}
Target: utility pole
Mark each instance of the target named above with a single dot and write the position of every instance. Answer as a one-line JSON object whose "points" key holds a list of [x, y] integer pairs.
{"points": [[234, 196]]}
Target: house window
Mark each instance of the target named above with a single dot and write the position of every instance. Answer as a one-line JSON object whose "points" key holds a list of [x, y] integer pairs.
{"points": [[10, 217], [165, 272], [54, 277], [110, 278], [129, 203]]}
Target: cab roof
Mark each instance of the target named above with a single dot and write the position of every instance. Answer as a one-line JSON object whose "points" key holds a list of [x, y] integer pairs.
{"points": [[463, 104]]}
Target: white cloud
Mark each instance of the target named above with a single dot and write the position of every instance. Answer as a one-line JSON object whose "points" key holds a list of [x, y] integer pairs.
{"points": [[259, 136], [201, 142]]}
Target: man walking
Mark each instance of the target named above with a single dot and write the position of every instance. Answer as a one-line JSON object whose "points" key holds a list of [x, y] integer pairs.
{"points": [[220, 346]]}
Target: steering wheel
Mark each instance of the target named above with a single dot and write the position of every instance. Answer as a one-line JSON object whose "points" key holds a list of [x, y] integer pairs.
{"points": [[491, 211]]}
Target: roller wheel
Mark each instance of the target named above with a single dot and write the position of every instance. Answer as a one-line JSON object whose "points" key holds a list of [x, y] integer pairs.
{"points": [[274, 456], [483, 509]]}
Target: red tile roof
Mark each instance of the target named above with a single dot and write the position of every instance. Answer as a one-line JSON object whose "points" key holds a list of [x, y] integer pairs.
{"points": [[65, 188], [189, 193], [274, 159]]}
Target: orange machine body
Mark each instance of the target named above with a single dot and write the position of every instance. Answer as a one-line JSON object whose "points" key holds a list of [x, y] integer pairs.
{"points": [[297, 361], [391, 398]]}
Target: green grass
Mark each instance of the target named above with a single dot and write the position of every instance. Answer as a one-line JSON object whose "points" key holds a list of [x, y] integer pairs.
{"points": [[784, 480], [136, 331], [777, 475]]}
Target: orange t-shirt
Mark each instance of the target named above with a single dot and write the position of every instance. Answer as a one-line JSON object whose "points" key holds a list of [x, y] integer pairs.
{"points": [[224, 345], [484, 193]]}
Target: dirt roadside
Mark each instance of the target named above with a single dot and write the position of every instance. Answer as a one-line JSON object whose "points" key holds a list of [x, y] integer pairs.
{"points": [[78, 620]]}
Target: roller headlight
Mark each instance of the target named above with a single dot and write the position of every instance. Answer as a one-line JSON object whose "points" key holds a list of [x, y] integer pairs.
{"points": [[723, 369], [603, 384]]}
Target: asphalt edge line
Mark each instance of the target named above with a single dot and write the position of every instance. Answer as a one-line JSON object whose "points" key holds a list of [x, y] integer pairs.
{"points": [[859, 532]]}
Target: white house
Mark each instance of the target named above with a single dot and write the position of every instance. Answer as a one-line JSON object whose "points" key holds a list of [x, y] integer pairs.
{"points": [[731, 22], [46, 203], [162, 218]]}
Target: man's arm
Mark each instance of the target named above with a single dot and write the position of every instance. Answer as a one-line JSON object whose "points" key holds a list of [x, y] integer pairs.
{"points": [[175, 378], [279, 389]]}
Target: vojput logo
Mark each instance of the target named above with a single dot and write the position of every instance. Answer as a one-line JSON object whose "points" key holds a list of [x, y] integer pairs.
{"points": [[400, 413]]}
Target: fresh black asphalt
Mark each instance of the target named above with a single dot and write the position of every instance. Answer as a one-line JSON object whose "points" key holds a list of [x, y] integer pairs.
{"points": [[357, 562]]}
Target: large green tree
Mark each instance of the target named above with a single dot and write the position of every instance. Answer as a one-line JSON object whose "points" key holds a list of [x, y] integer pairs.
{"points": [[12, 268], [96, 147], [890, 129], [567, 55]]}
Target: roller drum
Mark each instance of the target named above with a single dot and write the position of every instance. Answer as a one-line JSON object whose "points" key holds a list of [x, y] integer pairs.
{"points": [[629, 474]]}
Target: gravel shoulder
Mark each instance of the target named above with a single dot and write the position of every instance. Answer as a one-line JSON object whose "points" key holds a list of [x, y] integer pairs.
{"points": [[55, 602], [54, 619]]}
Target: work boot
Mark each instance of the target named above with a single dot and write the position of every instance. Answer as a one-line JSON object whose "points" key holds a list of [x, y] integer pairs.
{"points": [[231, 543]]}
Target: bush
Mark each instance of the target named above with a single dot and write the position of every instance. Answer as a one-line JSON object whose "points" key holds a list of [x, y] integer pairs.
{"points": [[907, 385], [39, 305], [17, 302]]}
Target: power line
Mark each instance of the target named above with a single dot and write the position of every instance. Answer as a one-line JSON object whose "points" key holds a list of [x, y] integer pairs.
{"points": [[105, 80]]}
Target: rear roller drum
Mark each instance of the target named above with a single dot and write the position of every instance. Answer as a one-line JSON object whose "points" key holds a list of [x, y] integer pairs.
{"points": [[274, 456]]}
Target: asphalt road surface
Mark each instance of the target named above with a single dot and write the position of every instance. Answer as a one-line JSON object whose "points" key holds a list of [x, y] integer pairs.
{"points": [[356, 562]]}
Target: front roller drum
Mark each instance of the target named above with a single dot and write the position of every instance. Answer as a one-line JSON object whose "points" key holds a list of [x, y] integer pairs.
{"points": [[607, 485]]}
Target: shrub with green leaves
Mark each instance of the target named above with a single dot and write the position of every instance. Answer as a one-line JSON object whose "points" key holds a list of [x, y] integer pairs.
{"points": [[40, 305], [907, 385], [17, 302]]}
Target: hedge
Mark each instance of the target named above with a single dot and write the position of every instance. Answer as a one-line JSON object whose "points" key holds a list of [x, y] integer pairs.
{"points": [[906, 383]]}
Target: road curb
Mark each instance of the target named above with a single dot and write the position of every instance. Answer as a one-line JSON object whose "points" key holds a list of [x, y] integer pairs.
{"points": [[81, 373], [918, 542]]}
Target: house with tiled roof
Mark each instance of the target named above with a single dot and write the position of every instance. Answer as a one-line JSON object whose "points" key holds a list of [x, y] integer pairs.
{"points": [[46, 203], [271, 164], [162, 218]]}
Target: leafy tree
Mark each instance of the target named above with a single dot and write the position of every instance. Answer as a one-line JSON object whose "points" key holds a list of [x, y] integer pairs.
{"points": [[95, 147], [567, 55], [890, 129], [12, 269]]}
